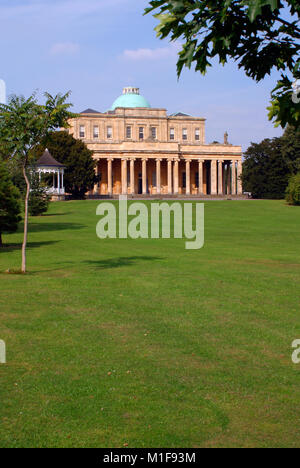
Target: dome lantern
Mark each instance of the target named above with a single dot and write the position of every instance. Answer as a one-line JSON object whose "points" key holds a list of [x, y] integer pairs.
{"points": [[130, 99], [130, 90]]}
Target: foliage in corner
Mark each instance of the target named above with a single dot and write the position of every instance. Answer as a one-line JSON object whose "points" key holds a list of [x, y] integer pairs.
{"points": [[253, 33]]}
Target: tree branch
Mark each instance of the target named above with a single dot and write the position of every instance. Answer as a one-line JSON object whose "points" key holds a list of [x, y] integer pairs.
{"points": [[286, 23]]}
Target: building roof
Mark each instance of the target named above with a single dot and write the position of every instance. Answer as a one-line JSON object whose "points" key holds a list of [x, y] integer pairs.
{"points": [[179, 114], [90, 111], [130, 98], [48, 160]]}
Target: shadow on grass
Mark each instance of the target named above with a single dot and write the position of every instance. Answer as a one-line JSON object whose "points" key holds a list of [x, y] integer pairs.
{"points": [[48, 215], [120, 262], [43, 227], [30, 245]]}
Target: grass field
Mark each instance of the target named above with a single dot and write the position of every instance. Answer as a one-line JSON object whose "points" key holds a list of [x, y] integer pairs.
{"points": [[141, 342]]}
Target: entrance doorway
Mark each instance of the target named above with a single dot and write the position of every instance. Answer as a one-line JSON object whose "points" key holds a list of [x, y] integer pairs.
{"points": [[140, 187]]}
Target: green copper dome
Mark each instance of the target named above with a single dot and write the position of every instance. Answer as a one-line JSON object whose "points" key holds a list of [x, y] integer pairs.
{"points": [[130, 98]]}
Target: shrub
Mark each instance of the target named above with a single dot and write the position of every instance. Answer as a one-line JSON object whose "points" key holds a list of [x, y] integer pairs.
{"points": [[9, 203], [38, 198], [293, 190]]}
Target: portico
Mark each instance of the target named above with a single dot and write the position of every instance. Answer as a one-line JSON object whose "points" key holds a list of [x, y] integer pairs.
{"points": [[135, 175]]}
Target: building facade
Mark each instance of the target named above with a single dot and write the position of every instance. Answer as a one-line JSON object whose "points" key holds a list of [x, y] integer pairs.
{"points": [[142, 150]]}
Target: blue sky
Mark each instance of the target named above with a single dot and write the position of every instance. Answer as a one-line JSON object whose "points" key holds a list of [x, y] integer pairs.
{"points": [[96, 47]]}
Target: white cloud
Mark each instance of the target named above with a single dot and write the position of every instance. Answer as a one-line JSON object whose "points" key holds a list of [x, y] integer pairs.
{"points": [[64, 48], [151, 54]]}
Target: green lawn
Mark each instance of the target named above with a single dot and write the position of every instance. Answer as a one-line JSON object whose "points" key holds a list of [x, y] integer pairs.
{"points": [[144, 343]]}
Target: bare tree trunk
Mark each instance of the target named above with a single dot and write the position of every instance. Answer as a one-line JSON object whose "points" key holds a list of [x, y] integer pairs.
{"points": [[1, 243], [25, 218]]}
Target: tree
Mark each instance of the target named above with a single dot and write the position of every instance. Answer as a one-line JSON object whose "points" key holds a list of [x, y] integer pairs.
{"points": [[38, 198], [265, 172], [254, 33], [10, 208], [23, 124], [78, 159]]}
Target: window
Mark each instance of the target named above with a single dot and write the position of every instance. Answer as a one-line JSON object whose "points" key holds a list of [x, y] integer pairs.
{"points": [[184, 134], [197, 134], [82, 131], [184, 180], [172, 134], [96, 132], [109, 133], [141, 133], [153, 133], [128, 132], [197, 179]]}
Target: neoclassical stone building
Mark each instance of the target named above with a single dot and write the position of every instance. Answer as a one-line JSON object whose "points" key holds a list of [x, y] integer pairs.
{"points": [[141, 150]]}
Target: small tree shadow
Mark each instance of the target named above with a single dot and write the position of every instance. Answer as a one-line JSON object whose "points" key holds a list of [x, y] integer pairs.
{"points": [[120, 262], [30, 245]]}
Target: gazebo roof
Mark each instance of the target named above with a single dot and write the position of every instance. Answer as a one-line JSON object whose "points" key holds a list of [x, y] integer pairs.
{"points": [[47, 160]]}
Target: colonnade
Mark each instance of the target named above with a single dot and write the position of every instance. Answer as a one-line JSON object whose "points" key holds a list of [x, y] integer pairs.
{"points": [[218, 168]]}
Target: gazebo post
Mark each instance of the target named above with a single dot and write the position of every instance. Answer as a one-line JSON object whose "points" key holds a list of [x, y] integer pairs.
{"points": [[58, 181]]}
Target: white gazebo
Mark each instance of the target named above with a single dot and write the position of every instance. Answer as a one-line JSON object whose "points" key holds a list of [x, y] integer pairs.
{"points": [[48, 165]]}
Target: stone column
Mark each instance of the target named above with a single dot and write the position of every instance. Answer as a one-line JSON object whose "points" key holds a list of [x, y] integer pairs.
{"points": [[109, 177], [176, 177], [239, 173], [124, 176], [132, 188], [233, 189], [144, 175], [169, 177], [228, 181], [220, 177], [188, 177], [158, 176], [200, 190], [213, 177]]}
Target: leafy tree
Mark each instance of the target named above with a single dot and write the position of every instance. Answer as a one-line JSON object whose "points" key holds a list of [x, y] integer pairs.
{"points": [[9, 203], [23, 124], [38, 198], [265, 172], [291, 148], [293, 190], [254, 33], [78, 159]]}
